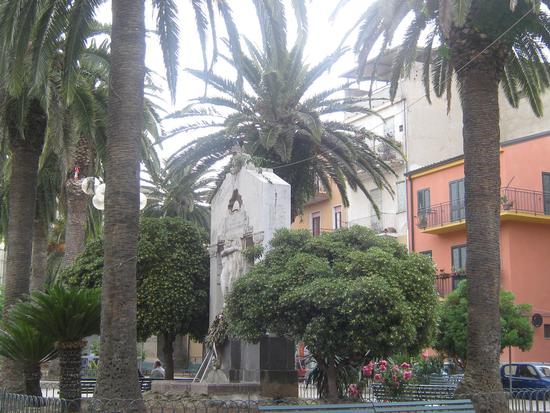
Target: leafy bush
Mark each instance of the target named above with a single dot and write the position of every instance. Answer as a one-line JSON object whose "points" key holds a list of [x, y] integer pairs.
{"points": [[344, 294], [516, 328]]}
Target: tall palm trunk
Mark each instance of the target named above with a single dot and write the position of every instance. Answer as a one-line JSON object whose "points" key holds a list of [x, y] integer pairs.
{"points": [[118, 377], [481, 134], [69, 363], [26, 152], [39, 253], [77, 201]]}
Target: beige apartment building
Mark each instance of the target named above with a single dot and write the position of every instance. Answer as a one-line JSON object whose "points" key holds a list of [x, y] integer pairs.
{"points": [[426, 132]]}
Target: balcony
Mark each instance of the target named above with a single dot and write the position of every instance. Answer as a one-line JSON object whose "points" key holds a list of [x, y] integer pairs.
{"points": [[446, 283], [385, 224], [516, 205], [321, 194]]}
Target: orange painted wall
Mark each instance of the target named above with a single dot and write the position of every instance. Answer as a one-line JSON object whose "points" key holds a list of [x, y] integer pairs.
{"points": [[440, 245], [326, 211], [528, 277], [525, 247]]}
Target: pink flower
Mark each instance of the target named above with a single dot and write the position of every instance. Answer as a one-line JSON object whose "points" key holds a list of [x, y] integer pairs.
{"points": [[378, 377], [395, 368], [425, 356], [382, 367], [407, 375], [353, 390], [383, 362], [394, 378], [367, 370], [405, 366]]}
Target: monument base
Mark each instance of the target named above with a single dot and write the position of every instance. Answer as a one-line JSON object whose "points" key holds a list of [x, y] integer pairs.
{"points": [[224, 391]]}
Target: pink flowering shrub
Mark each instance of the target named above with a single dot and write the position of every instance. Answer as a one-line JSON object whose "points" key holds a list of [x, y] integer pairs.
{"points": [[353, 391], [392, 376]]}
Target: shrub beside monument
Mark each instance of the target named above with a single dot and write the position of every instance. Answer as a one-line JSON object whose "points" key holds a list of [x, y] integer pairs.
{"points": [[348, 294]]}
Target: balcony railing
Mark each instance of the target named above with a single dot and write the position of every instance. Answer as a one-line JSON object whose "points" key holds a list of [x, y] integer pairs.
{"points": [[445, 283], [512, 200], [387, 222]]}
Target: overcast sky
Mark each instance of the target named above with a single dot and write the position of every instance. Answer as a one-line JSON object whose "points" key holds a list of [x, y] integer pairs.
{"points": [[324, 37]]}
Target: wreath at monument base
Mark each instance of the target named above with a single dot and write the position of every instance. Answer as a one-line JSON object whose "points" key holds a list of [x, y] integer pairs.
{"points": [[217, 336]]}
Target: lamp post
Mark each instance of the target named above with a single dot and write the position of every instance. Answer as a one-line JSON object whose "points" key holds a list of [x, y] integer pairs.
{"points": [[93, 186]]}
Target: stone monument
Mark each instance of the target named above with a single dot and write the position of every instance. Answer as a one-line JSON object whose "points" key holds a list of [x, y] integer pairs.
{"points": [[248, 207]]}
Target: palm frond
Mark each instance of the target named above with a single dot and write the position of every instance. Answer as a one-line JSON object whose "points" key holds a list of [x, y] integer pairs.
{"points": [[168, 31], [65, 314]]}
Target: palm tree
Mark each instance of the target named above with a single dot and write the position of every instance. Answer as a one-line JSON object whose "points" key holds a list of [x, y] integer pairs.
{"points": [[278, 119], [41, 27], [66, 315], [22, 343], [185, 196], [48, 201], [25, 121], [486, 44]]}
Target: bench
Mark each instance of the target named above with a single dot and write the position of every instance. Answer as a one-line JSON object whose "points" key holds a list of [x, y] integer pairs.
{"points": [[87, 386], [321, 408], [418, 392], [464, 406], [442, 406], [437, 379]]}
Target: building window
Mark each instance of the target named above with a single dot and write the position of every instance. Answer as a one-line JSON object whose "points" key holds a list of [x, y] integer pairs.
{"points": [[546, 191], [458, 258], [375, 222], [547, 331], [401, 197], [426, 253], [389, 128], [423, 196], [316, 223], [456, 195], [337, 217]]}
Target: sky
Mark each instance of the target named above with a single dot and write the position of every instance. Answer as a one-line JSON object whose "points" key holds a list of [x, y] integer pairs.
{"points": [[324, 37]]}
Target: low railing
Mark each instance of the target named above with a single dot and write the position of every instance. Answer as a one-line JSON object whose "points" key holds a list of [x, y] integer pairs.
{"points": [[512, 199], [446, 283], [520, 400], [521, 200], [385, 222]]}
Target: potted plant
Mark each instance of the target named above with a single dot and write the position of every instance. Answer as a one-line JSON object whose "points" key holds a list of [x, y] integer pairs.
{"points": [[506, 203], [422, 221]]}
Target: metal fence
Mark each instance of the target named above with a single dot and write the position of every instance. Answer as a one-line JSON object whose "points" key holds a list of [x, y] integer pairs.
{"points": [[525, 400]]}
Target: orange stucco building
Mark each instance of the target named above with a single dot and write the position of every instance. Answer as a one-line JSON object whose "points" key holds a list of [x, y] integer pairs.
{"points": [[435, 195], [323, 212]]}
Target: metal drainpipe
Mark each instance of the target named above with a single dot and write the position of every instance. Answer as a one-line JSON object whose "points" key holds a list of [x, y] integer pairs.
{"points": [[411, 215]]}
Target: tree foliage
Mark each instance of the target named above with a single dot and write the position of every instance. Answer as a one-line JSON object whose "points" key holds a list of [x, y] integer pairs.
{"points": [[278, 119], [172, 277], [516, 329], [343, 293]]}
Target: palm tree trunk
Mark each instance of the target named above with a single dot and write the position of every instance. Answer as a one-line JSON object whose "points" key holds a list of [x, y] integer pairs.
{"points": [[479, 94], [69, 378], [32, 374], [21, 204], [168, 354], [75, 225], [118, 377], [77, 201], [39, 254]]}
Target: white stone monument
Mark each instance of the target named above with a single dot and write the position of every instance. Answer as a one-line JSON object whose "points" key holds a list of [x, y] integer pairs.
{"points": [[249, 206]]}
